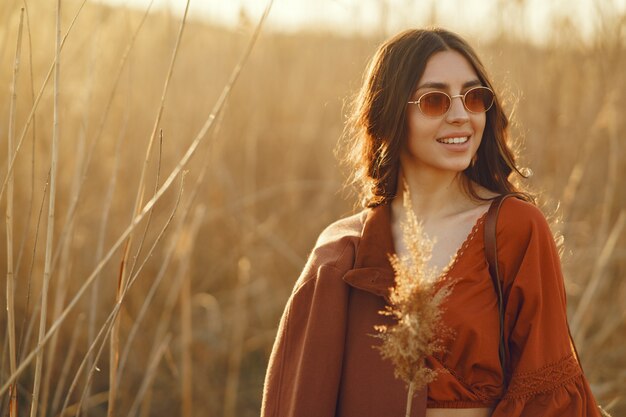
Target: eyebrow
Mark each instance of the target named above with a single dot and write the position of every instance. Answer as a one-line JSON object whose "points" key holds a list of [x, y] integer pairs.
{"points": [[442, 86]]}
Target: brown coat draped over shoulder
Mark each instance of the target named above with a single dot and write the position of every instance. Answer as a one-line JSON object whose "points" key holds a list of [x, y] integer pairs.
{"points": [[323, 363]]}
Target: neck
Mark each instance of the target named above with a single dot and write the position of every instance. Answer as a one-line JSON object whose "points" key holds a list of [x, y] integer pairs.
{"points": [[433, 195]]}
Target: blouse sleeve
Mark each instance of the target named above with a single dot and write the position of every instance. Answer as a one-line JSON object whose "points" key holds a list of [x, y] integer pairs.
{"points": [[545, 378]]}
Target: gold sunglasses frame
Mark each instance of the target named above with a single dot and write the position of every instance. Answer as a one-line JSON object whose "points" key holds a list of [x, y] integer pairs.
{"points": [[462, 96]]}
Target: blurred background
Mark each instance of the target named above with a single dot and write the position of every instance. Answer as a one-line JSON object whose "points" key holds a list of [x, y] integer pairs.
{"points": [[203, 277]]}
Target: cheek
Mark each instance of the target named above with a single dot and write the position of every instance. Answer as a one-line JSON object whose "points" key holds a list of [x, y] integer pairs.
{"points": [[483, 120], [419, 128], [479, 124]]}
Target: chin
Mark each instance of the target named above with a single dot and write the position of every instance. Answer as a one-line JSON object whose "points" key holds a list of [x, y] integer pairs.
{"points": [[458, 168]]}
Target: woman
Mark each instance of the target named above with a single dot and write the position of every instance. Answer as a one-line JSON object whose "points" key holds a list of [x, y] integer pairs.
{"points": [[427, 115]]}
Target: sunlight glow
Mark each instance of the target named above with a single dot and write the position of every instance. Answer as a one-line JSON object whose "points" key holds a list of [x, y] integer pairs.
{"points": [[531, 19]]}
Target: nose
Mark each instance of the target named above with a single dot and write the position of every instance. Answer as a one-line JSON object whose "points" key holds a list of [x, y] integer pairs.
{"points": [[458, 113]]}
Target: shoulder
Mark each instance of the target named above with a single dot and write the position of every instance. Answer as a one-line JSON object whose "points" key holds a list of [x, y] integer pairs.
{"points": [[520, 220], [343, 229], [335, 247], [525, 240]]}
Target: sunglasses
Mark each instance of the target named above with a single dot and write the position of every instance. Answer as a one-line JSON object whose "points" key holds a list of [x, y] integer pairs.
{"points": [[437, 103]]}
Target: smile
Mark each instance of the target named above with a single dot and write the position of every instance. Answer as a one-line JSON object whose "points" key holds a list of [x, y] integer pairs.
{"points": [[454, 140]]}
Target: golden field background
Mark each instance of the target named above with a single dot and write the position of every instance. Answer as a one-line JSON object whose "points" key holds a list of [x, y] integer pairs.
{"points": [[216, 258]]}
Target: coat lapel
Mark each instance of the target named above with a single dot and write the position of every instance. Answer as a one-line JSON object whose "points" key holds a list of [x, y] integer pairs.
{"points": [[372, 271]]}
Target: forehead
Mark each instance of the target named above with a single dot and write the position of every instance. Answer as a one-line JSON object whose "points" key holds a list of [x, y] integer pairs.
{"points": [[448, 67]]}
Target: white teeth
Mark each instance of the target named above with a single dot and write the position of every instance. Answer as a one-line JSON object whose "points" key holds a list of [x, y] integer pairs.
{"points": [[454, 140]]}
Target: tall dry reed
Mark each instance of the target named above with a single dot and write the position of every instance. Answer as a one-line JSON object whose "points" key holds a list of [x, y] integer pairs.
{"points": [[54, 157], [10, 294]]}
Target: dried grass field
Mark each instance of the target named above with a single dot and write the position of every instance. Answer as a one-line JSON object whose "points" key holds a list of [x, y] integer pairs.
{"points": [[175, 237]]}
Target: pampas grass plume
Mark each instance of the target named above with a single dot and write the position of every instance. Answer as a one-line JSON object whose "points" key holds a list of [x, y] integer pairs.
{"points": [[415, 304]]}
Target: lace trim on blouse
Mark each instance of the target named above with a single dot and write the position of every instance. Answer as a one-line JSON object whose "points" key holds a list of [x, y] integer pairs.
{"points": [[444, 275], [546, 379]]}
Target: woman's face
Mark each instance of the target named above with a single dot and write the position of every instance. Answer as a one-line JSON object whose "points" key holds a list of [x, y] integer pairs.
{"points": [[426, 147]]}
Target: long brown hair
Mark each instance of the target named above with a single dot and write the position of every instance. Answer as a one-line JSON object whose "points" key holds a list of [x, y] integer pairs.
{"points": [[376, 130]]}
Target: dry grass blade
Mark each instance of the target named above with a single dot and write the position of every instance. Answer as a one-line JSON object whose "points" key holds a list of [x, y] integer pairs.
{"points": [[31, 198], [28, 321], [89, 280], [568, 197], [62, 283], [188, 236], [169, 253], [104, 221], [276, 242], [51, 213], [265, 231], [182, 163], [31, 115], [63, 277], [238, 336], [92, 401], [613, 177], [9, 225], [25, 338], [150, 374], [91, 360], [579, 322], [83, 176], [121, 284], [186, 341], [155, 283], [184, 254], [273, 191], [220, 102], [601, 123], [149, 219], [105, 329], [415, 304], [71, 352], [234, 75], [608, 329]]}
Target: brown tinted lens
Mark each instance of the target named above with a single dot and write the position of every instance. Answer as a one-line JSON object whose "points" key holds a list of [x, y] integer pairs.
{"points": [[478, 100], [434, 103]]}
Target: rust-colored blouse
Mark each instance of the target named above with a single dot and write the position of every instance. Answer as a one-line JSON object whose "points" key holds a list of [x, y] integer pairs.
{"points": [[545, 378], [323, 363]]}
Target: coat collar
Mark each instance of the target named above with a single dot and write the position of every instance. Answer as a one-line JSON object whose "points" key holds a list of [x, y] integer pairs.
{"points": [[372, 270]]}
